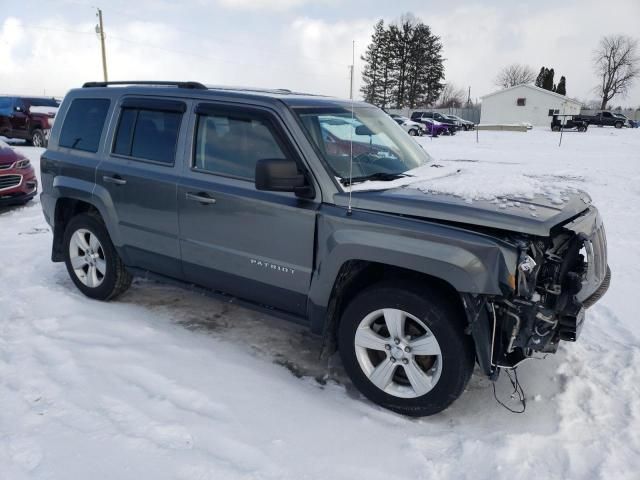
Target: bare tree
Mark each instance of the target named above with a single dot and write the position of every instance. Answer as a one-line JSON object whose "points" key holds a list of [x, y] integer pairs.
{"points": [[452, 96], [514, 74], [617, 64]]}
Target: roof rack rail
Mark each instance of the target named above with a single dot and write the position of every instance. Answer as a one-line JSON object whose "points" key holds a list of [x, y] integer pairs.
{"points": [[192, 85]]}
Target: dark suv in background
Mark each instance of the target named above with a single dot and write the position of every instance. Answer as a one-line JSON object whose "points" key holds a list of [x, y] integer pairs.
{"points": [[27, 118], [450, 123], [283, 200]]}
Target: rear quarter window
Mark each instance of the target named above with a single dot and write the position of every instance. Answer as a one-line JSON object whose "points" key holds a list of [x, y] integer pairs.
{"points": [[83, 124]]}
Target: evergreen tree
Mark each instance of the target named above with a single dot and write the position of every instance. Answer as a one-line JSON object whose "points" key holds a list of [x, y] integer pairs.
{"points": [[541, 76], [562, 86], [548, 80], [403, 65], [545, 80], [372, 72]]}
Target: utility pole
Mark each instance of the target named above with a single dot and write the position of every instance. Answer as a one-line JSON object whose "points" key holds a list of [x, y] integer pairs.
{"points": [[100, 31], [351, 68]]}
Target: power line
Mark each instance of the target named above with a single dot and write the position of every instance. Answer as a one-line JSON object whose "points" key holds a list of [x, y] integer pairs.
{"points": [[205, 57], [208, 36], [54, 29], [169, 50]]}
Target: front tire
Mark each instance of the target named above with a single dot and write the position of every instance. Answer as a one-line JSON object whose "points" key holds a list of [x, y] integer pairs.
{"points": [[618, 125], [37, 138], [413, 132], [404, 348], [91, 259]]}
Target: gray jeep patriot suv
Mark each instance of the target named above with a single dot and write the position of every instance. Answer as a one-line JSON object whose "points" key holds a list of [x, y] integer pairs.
{"points": [[246, 193]]}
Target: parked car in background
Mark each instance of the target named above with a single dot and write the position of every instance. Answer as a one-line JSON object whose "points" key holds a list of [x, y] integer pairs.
{"points": [[466, 124], [18, 183], [450, 124], [602, 119], [634, 123], [567, 122], [27, 118], [627, 121], [414, 129], [435, 128]]}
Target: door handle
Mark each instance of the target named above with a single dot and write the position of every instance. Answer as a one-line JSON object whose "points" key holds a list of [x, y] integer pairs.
{"points": [[115, 179], [201, 198]]}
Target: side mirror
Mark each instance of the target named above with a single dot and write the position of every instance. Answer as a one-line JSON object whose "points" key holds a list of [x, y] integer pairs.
{"points": [[281, 175]]}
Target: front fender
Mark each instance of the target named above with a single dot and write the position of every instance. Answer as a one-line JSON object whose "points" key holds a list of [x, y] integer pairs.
{"points": [[470, 262]]}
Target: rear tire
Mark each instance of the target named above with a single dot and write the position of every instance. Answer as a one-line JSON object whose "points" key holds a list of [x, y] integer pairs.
{"points": [[91, 259], [426, 360]]}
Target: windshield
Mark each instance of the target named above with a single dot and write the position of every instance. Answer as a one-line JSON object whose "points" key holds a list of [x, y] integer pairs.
{"points": [[380, 146]]}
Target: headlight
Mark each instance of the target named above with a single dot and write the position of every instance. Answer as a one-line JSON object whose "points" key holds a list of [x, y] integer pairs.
{"points": [[22, 163]]}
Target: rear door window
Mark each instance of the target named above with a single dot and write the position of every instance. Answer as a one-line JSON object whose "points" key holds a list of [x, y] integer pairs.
{"points": [[148, 130], [83, 124]]}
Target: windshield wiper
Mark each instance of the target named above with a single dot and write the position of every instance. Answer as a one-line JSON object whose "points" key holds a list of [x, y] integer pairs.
{"points": [[380, 176]]}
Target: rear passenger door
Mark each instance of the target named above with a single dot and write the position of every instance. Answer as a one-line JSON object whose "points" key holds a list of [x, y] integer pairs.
{"points": [[252, 244], [139, 173]]}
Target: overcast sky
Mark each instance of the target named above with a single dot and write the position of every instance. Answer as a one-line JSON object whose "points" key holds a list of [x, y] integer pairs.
{"points": [[51, 46]]}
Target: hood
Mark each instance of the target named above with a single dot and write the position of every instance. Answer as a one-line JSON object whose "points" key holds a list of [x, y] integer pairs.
{"points": [[8, 155], [480, 195], [535, 216]]}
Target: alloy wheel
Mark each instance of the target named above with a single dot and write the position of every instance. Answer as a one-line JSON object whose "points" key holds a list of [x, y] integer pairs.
{"points": [[87, 258], [398, 353], [37, 140]]}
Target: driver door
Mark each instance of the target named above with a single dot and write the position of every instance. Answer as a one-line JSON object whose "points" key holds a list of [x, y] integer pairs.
{"points": [[256, 245]]}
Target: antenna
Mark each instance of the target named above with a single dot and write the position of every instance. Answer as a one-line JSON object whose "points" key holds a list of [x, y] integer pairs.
{"points": [[353, 61]]}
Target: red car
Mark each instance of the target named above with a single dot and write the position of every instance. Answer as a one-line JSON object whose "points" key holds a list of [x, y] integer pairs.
{"points": [[18, 182]]}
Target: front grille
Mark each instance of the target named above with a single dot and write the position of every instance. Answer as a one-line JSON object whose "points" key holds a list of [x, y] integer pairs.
{"points": [[9, 181], [6, 166], [597, 268]]}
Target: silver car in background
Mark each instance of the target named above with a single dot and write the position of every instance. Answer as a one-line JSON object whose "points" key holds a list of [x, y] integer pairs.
{"points": [[414, 129]]}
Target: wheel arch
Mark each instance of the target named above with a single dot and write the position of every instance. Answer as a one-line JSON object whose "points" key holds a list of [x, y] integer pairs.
{"points": [[65, 209], [355, 276]]}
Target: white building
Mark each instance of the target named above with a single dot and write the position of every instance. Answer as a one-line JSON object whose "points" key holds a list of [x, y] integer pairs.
{"points": [[525, 103]]}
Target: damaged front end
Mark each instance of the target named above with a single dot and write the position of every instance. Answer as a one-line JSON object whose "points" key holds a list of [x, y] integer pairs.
{"points": [[557, 279]]}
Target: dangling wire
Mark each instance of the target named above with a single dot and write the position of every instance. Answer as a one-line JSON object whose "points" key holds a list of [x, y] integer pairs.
{"points": [[517, 392]]}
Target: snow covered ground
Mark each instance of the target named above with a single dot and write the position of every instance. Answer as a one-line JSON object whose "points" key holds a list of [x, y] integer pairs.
{"points": [[167, 383]]}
